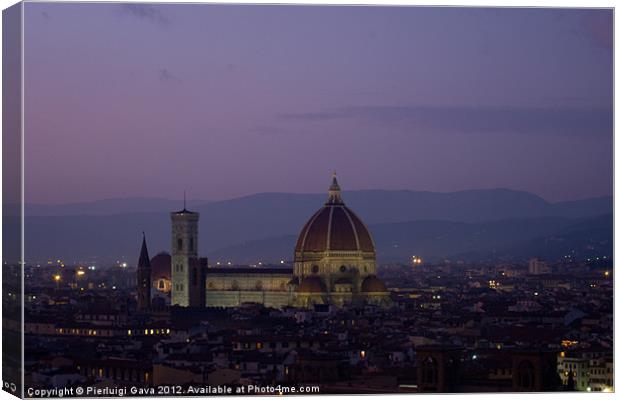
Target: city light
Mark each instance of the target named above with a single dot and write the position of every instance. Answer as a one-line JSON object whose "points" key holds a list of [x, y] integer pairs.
{"points": [[57, 278], [569, 343], [81, 272]]}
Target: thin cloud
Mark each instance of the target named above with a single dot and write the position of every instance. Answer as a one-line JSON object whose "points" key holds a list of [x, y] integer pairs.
{"points": [[166, 76], [147, 13], [471, 119], [597, 27]]}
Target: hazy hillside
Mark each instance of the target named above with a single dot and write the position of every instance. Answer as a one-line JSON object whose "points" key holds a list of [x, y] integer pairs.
{"points": [[377, 205], [435, 240], [98, 229], [589, 238]]}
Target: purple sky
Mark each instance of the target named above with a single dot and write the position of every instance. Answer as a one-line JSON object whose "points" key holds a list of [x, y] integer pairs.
{"points": [[141, 100]]}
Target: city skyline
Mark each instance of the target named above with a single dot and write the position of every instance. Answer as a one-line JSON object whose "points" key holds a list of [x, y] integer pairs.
{"points": [[213, 99], [206, 199]]}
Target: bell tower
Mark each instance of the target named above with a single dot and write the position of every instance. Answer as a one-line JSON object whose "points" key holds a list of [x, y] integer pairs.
{"points": [[144, 278], [186, 274]]}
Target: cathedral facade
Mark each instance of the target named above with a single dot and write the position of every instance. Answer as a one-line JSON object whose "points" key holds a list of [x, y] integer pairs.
{"points": [[334, 264]]}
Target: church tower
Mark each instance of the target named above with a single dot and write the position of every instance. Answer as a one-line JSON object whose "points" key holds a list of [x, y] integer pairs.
{"points": [[186, 269], [144, 278]]}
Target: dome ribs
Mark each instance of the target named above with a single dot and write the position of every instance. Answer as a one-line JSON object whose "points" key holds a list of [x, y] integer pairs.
{"points": [[363, 235], [343, 235], [316, 234]]}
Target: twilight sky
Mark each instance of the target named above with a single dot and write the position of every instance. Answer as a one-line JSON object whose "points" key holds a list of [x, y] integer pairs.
{"points": [[146, 100]]}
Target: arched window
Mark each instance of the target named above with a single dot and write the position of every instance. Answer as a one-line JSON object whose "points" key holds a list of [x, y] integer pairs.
{"points": [[315, 269], [161, 284], [179, 244], [194, 276], [343, 268], [191, 244]]}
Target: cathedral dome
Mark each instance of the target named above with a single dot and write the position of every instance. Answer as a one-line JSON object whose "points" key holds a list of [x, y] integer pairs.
{"points": [[311, 284], [373, 284], [335, 228], [161, 266]]}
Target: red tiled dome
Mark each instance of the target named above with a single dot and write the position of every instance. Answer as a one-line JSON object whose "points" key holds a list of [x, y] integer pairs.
{"points": [[334, 227], [373, 284], [161, 266], [311, 284]]}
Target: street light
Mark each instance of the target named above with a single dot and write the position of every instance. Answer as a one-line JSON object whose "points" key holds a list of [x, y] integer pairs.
{"points": [[57, 280]]}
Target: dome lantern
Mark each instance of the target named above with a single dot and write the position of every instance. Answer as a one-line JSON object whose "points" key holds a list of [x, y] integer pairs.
{"points": [[334, 192], [334, 228]]}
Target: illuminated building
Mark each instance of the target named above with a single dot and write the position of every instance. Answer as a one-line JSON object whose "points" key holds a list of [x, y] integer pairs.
{"points": [[187, 271], [334, 263], [538, 267], [335, 260]]}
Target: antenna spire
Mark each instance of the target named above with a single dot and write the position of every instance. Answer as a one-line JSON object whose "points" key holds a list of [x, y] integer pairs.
{"points": [[184, 200]]}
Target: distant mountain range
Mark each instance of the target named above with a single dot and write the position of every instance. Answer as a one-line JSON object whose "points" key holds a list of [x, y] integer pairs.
{"points": [[512, 239], [107, 207], [474, 224]]}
